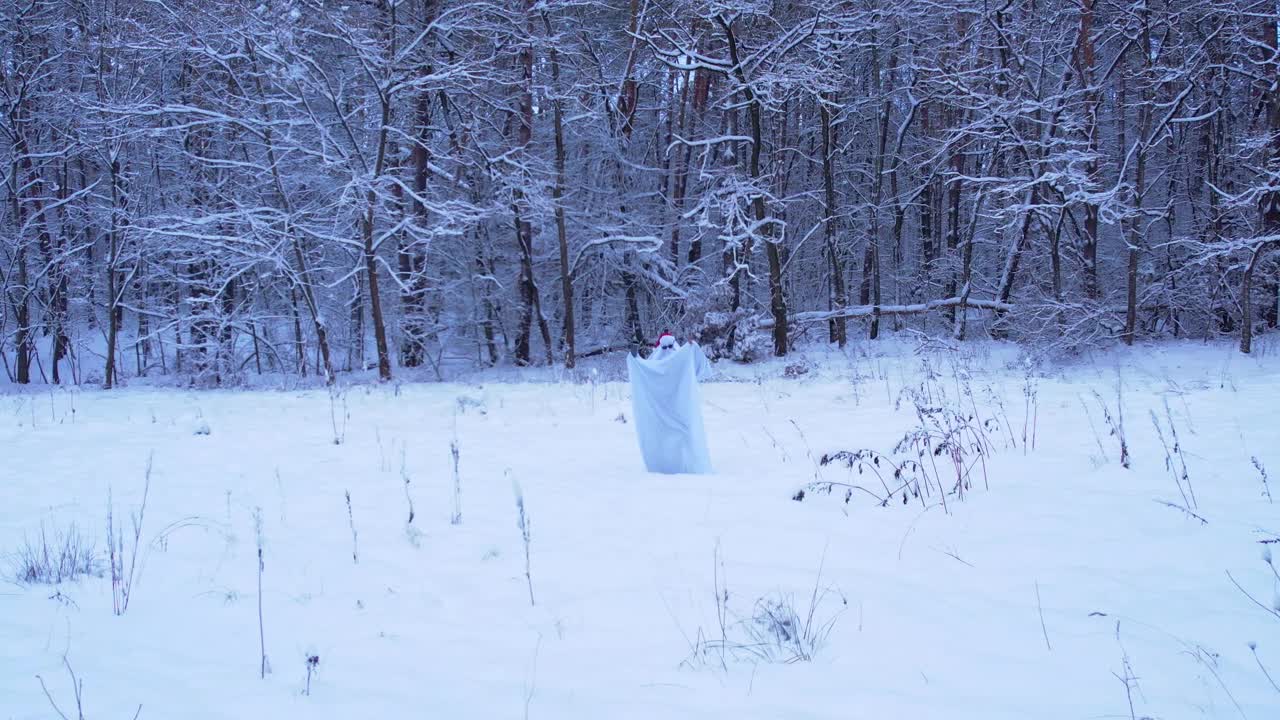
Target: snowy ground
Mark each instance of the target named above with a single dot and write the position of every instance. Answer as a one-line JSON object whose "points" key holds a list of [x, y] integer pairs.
{"points": [[1056, 588]]}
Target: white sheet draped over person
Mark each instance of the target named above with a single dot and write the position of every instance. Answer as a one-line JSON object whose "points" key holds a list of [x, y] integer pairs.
{"points": [[667, 407]]}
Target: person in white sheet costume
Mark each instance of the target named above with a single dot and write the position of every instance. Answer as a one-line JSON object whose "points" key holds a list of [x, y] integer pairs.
{"points": [[667, 408]]}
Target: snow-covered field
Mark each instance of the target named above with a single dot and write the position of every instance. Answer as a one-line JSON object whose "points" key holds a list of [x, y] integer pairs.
{"points": [[1057, 587]]}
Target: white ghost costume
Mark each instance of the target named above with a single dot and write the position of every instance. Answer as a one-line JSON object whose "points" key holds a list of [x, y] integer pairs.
{"points": [[667, 408]]}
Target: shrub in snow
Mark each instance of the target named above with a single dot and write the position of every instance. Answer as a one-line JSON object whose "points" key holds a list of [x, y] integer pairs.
{"points": [[522, 522], [725, 334], [355, 540], [455, 453], [1172, 452], [939, 456], [795, 370], [338, 412], [265, 664], [404, 477], [778, 629], [122, 557], [313, 664], [202, 427], [782, 634], [1116, 422], [1262, 472], [466, 402], [898, 480], [51, 559]]}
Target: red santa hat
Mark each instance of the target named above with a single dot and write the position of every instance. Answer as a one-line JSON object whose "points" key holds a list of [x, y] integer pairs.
{"points": [[666, 339]]}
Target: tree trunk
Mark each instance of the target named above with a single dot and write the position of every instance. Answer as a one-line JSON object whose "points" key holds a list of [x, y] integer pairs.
{"points": [[367, 225], [20, 297], [412, 261], [871, 259], [838, 329], [1137, 226], [58, 302], [524, 231], [955, 187], [355, 324], [299, 342], [302, 274], [142, 343], [680, 177], [113, 280], [375, 296], [777, 300], [1246, 300], [524, 334], [557, 196], [1085, 67], [22, 313], [1269, 204]]}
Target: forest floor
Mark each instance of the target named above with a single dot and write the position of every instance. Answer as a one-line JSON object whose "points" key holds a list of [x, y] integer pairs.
{"points": [[1050, 582]]}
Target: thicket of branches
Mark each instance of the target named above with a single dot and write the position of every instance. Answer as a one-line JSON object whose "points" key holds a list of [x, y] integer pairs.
{"points": [[305, 186]]}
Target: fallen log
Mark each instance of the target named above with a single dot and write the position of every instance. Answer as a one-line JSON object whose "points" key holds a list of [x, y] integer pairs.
{"points": [[866, 310], [604, 350]]}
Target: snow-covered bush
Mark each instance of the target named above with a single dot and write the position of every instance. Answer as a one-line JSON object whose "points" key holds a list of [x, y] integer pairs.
{"points": [[64, 555], [939, 457], [522, 522], [1052, 330], [723, 333], [122, 555], [782, 634], [778, 629], [796, 369], [339, 413], [468, 402], [313, 666]]}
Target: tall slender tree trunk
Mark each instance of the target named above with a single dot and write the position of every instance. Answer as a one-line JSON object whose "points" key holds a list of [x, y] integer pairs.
{"points": [[412, 261], [680, 169], [955, 188], [57, 262], [355, 324], [302, 279], [142, 343], [1137, 226], [928, 247], [557, 197], [838, 330], [777, 300], [1246, 299], [375, 296], [113, 279], [1085, 64], [871, 258], [370, 250], [702, 80], [1269, 204], [19, 293], [22, 314], [529, 300], [299, 341]]}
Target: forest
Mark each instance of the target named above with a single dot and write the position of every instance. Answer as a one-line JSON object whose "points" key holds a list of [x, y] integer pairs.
{"points": [[211, 190]]}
